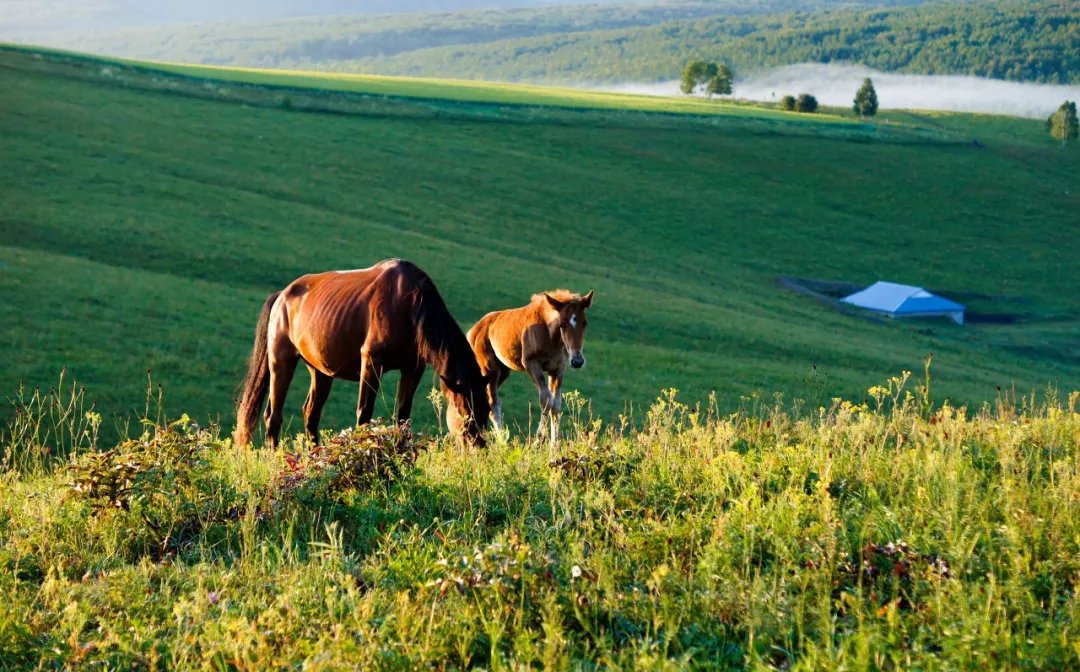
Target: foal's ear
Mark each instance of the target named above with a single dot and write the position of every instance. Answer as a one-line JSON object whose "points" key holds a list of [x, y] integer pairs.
{"points": [[586, 300], [555, 303]]}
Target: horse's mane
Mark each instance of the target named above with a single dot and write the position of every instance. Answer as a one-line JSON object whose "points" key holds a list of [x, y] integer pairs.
{"points": [[439, 338], [557, 294]]}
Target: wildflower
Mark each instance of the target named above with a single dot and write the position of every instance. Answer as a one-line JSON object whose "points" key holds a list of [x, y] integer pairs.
{"points": [[213, 597], [575, 572]]}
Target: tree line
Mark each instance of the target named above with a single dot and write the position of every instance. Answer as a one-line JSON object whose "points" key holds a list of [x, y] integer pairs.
{"points": [[1029, 40]]}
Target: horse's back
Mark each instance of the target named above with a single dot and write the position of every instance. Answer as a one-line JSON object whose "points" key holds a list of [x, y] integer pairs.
{"points": [[331, 316]]}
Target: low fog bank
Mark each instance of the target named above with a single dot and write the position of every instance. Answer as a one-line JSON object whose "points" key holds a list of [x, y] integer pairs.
{"points": [[835, 84]]}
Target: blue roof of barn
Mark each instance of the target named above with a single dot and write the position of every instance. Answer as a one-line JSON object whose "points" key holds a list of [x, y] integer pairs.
{"points": [[890, 297]]}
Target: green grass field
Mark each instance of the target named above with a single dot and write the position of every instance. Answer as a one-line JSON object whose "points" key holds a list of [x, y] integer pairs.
{"points": [[145, 217]]}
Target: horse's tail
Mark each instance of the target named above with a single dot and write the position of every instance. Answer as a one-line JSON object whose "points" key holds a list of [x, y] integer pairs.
{"points": [[253, 389]]}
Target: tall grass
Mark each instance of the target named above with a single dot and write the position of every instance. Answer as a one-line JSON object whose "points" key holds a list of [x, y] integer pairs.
{"points": [[48, 427], [892, 534]]}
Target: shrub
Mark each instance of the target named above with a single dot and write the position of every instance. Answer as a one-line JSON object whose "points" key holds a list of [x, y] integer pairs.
{"points": [[163, 481], [806, 103], [354, 459]]}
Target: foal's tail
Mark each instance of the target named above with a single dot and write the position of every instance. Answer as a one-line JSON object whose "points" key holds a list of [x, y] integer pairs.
{"points": [[253, 389]]}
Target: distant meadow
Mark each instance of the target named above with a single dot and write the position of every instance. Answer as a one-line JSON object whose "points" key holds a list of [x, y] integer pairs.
{"points": [[835, 84]]}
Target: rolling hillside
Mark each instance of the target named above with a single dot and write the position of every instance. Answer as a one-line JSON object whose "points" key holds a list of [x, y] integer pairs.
{"points": [[147, 213]]}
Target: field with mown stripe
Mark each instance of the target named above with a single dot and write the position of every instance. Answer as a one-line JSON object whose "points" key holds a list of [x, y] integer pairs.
{"points": [[146, 215]]}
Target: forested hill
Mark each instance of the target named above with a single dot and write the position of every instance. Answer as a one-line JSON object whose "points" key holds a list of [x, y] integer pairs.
{"points": [[112, 14], [329, 33], [1022, 40]]}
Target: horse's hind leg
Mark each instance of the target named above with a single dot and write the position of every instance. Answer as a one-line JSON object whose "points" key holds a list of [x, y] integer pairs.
{"points": [[495, 380], [370, 377], [406, 390], [316, 399], [283, 359]]}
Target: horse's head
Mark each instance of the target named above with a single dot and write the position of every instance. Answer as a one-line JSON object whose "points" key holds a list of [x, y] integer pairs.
{"points": [[572, 323], [468, 411]]}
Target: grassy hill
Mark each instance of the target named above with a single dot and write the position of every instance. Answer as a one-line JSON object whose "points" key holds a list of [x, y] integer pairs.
{"points": [[147, 213]]}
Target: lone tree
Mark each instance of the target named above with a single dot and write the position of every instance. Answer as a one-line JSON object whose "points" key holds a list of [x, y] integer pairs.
{"points": [[805, 103], [866, 99], [714, 79], [721, 82], [1063, 123]]}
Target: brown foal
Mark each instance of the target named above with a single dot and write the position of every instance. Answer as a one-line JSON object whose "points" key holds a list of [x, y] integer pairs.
{"points": [[540, 339]]}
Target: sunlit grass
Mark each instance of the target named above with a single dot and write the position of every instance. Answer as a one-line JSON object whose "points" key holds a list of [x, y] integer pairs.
{"points": [[895, 534], [466, 90]]}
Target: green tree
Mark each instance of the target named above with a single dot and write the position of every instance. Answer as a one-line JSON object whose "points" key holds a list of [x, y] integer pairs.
{"points": [[806, 103], [722, 81], [715, 79], [787, 103], [692, 76], [866, 102], [1063, 124]]}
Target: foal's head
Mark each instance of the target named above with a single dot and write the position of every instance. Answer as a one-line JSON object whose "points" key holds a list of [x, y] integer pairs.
{"points": [[469, 410], [572, 323]]}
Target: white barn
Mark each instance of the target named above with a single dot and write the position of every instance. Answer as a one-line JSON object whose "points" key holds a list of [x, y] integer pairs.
{"points": [[905, 301]]}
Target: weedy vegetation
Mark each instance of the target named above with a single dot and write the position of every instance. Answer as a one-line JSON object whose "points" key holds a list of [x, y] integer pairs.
{"points": [[891, 534]]}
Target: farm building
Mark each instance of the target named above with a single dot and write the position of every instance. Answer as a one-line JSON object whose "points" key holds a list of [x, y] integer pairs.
{"points": [[905, 301]]}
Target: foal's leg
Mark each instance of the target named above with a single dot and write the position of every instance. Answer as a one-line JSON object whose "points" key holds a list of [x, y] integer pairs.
{"points": [[282, 359], [536, 371], [370, 377], [495, 379], [317, 395], [555, 385], [406, 390]]}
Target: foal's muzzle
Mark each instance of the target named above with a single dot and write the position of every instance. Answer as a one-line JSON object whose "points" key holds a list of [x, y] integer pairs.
{"points": [[577, 361]]}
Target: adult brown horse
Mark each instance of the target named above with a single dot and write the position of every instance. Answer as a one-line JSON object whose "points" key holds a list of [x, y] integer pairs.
{"points": [[355, 325], [540, 339]]}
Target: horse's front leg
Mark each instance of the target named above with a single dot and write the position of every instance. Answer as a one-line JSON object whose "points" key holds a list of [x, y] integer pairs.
{"points": [[536, 371], [370, 377], [406, 390], [555, 386]]}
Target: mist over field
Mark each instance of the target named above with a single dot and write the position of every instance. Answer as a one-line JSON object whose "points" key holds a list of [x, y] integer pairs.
{"points": [[834, 84]]}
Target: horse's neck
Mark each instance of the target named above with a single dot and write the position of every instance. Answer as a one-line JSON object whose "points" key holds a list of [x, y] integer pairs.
{"points": [[450, 364], [550, 320]]}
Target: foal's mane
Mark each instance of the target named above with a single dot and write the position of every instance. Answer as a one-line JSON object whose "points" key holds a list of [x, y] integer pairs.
{"points": [[557, 294]]}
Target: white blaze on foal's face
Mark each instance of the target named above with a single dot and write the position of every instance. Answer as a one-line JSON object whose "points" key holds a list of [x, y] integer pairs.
{"points": [[572, 323]]}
